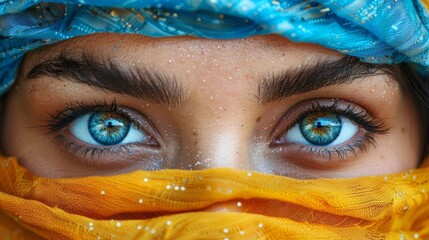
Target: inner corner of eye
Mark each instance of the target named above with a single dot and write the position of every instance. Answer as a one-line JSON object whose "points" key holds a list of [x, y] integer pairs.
{"points": [[348, 130]]}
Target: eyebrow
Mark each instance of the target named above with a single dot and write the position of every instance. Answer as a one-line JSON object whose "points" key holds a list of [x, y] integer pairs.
{"points": [[107, 75], [318, 75]]}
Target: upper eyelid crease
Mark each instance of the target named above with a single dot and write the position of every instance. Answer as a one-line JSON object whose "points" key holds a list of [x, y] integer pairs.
{"points": [[357, 114], [314, 76], [107, 75]]}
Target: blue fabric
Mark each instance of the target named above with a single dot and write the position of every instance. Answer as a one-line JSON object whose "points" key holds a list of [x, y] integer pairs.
{"points": [[377, 31]]}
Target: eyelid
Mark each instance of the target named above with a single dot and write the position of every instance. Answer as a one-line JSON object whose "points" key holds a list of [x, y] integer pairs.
{"points": [[143, 122], [90, 156], [62, 118], [329, 157], [341, 107]]}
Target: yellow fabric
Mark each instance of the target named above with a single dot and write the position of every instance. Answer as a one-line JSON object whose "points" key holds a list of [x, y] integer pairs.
{"points": [[426, 4], [178, 204]]}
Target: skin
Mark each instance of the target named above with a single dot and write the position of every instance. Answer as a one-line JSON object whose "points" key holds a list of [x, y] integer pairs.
{"points": [[221, 123]]}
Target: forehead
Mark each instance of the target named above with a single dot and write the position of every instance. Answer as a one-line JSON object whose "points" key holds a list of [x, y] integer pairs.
{"points": [[192, 59], [256, 44]]}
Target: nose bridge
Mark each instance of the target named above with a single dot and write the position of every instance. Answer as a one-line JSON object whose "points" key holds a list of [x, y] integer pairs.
{"points": [[229, 148], [220, 145], [215, 132]]}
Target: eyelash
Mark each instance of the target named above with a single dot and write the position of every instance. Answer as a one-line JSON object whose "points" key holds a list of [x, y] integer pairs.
{"points": [[62, 119], [363, 118]]}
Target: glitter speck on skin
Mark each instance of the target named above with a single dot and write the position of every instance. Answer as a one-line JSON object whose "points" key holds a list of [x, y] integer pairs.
{"points": [[225, 230], [168, 187], [139, 227], [176, 188], [118, 224], [153, 231], [416, 235], [140, 201], [242, 232], [145, 180], [102, 192], [168, 223], [238, 204], [249, 174], [182, 188], [260, 225]]}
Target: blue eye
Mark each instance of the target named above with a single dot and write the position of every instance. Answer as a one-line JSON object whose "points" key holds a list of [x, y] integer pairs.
{"points": [[106, 128], [322, 129]]}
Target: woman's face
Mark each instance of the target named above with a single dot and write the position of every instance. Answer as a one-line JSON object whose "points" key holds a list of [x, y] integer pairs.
{"points": [[108, 104]]}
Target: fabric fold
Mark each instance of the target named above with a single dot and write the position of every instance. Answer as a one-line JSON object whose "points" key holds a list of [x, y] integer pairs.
{"points": [[214, 204]]}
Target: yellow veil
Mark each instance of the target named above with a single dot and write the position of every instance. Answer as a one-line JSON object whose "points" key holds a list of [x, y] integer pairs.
{"points": [[212, 204]]}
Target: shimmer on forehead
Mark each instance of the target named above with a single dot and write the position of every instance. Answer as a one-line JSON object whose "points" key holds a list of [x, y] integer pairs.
{"points": [[139, 81]]}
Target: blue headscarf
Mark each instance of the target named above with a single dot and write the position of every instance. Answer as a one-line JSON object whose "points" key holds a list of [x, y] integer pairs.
{"points": [[388, 31]]}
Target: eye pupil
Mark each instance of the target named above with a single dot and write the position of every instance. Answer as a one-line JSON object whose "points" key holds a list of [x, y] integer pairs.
{"points": [[321, 128], [108, 128]]}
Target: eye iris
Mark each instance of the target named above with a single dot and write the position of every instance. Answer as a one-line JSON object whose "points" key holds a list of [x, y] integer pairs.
{"points": [[321, 128], [108, 128]]}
